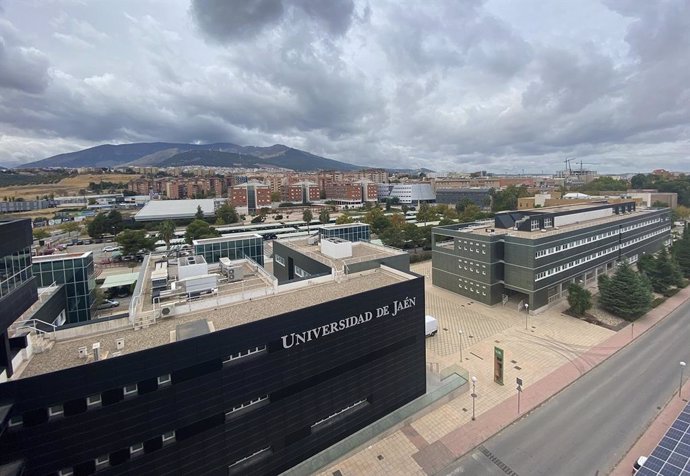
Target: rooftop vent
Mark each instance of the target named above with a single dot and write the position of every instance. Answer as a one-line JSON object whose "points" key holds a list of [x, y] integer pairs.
{"points": [[83, 353], [96, 347], [120, 343]]}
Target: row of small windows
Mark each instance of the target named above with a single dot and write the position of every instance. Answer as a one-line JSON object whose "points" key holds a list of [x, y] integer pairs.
{"points": [[576, 243], [137, 449], [244, 353], [92, 401], [572, 264], [635, 226], [473, 267], [472, 287], [644, 237], [474, 246], [355, 406], [247, 404]]}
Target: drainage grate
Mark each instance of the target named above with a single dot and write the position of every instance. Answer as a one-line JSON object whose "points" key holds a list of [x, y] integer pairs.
{"points": [[513, 361], [495, 460], [517, 368]]}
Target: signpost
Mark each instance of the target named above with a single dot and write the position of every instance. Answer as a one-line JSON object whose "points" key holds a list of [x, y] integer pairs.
{"points": [[518, 380], [498, 365]]}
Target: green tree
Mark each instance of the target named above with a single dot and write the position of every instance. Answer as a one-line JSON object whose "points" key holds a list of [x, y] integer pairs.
{"points": [[426, 213], [166, 232], [199, 229], [344, 218], [462, 204], [199, 215], [324, 216], [70, 227], [227, 213], [579, 299], [97, 227], [40, 234], [393, 236], [601, 184], [131, 241], [307, 216], [507, 199], [681, 252], [377, 220], [113, 222], [627, 294]]}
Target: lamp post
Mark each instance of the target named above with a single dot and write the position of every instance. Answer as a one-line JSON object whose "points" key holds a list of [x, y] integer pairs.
{"points": [[526, 314], [680, 384], [474, 394], [461, 347]]}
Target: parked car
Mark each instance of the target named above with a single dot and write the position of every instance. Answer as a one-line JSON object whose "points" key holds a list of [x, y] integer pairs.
{"points": [[108, 304], [61, 247], [110, 249]]}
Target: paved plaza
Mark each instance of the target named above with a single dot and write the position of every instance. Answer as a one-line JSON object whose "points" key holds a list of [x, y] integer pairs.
{"points": [[534, 347]]}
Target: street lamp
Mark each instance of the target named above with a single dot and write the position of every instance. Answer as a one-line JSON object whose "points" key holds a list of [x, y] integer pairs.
{"points": [[680, 385], [461, 347], [526, 314], [474, 394]]}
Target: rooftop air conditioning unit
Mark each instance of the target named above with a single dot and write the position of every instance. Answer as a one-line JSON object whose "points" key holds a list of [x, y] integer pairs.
{"points": [[168, 310]]}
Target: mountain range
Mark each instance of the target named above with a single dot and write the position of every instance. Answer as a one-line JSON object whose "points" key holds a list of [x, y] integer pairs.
{"points": [[167, 154]]}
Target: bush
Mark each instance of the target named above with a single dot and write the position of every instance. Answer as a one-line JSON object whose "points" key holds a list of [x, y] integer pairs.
{"points": [[671, 292], [417, 257], [658, 301]]}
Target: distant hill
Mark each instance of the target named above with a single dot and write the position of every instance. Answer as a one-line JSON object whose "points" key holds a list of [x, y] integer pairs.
{"points": [[167, 154]]}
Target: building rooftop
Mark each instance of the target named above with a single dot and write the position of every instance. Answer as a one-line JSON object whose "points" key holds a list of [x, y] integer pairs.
{"points": [[256, 297], [224, 238], [175, 209], [60, 256], [488, 229]]}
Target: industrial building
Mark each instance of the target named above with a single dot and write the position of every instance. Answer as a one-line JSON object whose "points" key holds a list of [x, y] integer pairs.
{"points": [[158, 210], [531, 256], [250, 378]]}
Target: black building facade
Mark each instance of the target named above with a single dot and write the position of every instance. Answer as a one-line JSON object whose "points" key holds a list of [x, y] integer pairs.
{"points": [[17, 286], [536, 254], [252, 399]]}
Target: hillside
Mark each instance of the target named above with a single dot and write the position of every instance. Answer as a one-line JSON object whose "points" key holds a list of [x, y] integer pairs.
{"points": [[166, 154]]}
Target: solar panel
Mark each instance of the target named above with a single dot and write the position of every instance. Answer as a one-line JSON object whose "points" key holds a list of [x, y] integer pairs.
{"points": [[671, 457]]}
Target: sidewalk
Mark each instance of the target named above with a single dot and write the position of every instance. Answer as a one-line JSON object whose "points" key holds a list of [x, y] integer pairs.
{"points": [[433, 441]]}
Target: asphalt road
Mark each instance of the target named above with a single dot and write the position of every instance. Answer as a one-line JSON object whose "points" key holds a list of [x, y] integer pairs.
{"points": [[589, 427]]}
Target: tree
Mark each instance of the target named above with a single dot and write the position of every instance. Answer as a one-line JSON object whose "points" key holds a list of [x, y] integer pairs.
{"points": [[681, 252], [507, 199], [40, 234], [344, 218], [69, 227], [113, 222], [131, 241], [579, 299], [199, 215], [199, 229], [426, 213], [97, 227], [393, 236], [307, 216], [681, 212], [166, 232], [662, 271], [227, 213], [324, 216], [462, 204], [627, 294], [377, 220]]}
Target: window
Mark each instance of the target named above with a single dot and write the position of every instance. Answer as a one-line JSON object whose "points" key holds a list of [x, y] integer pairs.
{"points": [[548, 222], [244, 353], [136, 449], [280, 260], [16, 420], [93, 400], [164, 380], [355, 406], [249, 403], [168, 437], [301, 273], [66, 472], [102, 462], [55, 410], [534, 224], [131, 389]]}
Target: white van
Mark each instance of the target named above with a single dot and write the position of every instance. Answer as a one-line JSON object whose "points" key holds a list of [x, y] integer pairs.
{"points": [[430, 326]]}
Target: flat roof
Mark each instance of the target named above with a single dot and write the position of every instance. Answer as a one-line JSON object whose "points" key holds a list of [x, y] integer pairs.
{"points": [[224, 238], [60, 256], [361, 251], [252, 307], [164, 209], [534, 235], [117, 280]]}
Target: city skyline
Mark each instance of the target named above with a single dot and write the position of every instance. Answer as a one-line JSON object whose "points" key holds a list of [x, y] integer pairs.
{"points": [[481, 85]]}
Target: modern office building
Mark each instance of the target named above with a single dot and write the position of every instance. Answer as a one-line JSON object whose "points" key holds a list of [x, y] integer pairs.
{"points": [[17, 290], [76, 272], [408, 193], [256, 378], [346, 231], [299, 258], [233, 246], [531, 256]]}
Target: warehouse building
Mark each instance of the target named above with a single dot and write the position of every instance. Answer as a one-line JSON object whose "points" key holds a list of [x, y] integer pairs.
{"points": [[249, 380], [531, 256]]}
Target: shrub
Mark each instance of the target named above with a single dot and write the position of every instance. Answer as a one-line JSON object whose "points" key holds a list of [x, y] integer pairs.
{"points": [[658, 301]]}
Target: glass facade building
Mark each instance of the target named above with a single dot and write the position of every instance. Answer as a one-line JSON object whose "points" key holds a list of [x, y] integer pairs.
{"points": [[76, 272], [15, 270], [235, 246], [348, 231]]}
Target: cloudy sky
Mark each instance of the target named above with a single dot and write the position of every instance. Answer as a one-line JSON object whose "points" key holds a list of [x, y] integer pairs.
{"points": [[502, 85]]}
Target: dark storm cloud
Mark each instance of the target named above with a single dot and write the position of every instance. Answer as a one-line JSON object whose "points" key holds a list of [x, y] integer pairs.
{"points": [[242, 20], [21, 68]]}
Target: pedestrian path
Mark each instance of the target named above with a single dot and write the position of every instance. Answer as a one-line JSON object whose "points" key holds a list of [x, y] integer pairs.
{"points": [[548, 351]]}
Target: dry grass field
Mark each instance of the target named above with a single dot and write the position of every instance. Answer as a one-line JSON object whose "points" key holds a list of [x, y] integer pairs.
{"points": [[67, 186]]}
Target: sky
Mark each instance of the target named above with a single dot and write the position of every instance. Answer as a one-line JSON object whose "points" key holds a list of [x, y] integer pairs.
{"points": [[460, 85]]}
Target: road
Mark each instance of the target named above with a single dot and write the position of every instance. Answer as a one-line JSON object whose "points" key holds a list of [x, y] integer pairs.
{"points": [[589, 427]]}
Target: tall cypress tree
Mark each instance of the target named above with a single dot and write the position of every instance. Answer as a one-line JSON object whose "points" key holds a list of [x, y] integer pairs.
{"points": [[681, 251]]}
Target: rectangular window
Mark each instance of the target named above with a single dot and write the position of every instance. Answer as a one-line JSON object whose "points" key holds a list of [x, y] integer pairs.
{"points": [[136, 449], [548, 222], [102, 462], [55, 410], [131, 389], [66, 472], [301, 273], [246, 404], [164, 380], [168, 437], [342, 412], [16, 420], [244, 353], [93, 400], [280, 260], [534, 224]]}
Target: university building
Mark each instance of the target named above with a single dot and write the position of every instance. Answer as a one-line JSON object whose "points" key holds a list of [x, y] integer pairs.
{"points": [[531, 256], [249, 379]]}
